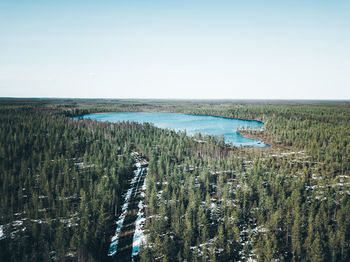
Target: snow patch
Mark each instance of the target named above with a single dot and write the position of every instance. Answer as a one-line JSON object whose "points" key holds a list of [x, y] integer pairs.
{"points": [[139, 236], [2, 234], [115, 239]]}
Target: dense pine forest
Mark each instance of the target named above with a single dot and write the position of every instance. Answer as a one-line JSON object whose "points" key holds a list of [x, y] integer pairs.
{"points": [[62, 182]]}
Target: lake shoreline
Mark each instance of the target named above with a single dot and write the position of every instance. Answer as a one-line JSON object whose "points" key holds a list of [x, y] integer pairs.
{"points": [[232, 137], [166, 112]]}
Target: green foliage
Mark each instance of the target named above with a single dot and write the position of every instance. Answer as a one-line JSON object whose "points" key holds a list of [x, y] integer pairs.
{"points": [[62, 180]]}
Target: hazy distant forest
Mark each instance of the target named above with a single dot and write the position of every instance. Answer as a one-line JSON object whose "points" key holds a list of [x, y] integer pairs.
{"points": [[62, 181]]}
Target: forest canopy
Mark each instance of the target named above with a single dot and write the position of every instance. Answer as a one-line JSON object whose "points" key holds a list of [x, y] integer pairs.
{"points": [[62, 182]]}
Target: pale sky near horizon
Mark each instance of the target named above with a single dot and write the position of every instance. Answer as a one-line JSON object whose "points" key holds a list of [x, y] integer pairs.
{"points": [[247, 49]]}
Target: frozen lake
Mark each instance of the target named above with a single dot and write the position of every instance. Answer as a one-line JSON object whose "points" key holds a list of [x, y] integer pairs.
{"points": [[206, 125]]}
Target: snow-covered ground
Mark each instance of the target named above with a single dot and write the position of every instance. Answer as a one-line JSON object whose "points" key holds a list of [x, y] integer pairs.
{"points": [[132, 193], [139, 236], [2, 234], [133, 186]]}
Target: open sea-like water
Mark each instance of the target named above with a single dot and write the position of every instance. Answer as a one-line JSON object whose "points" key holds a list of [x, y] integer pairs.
{"points": [[206, 125]]}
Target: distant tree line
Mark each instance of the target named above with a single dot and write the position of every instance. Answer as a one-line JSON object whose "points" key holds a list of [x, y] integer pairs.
{"points": [[62, 180]]}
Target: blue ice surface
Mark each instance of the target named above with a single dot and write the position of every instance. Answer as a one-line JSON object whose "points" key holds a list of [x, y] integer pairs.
{"points": [[206, 125]]}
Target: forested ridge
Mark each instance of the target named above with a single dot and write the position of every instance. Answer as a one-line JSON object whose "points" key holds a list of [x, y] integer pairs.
{"points": [[62, 182]]}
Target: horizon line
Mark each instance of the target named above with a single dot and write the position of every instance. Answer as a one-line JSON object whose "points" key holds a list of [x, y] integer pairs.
{"points": [[198, 99]]}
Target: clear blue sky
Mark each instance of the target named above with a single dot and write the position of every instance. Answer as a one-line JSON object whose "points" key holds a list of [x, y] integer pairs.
{"points": [[259, 49]]}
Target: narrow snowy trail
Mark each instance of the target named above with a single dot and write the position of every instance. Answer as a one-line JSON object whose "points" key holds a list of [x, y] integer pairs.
{"points": [[128, 235], [139, 236]]}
